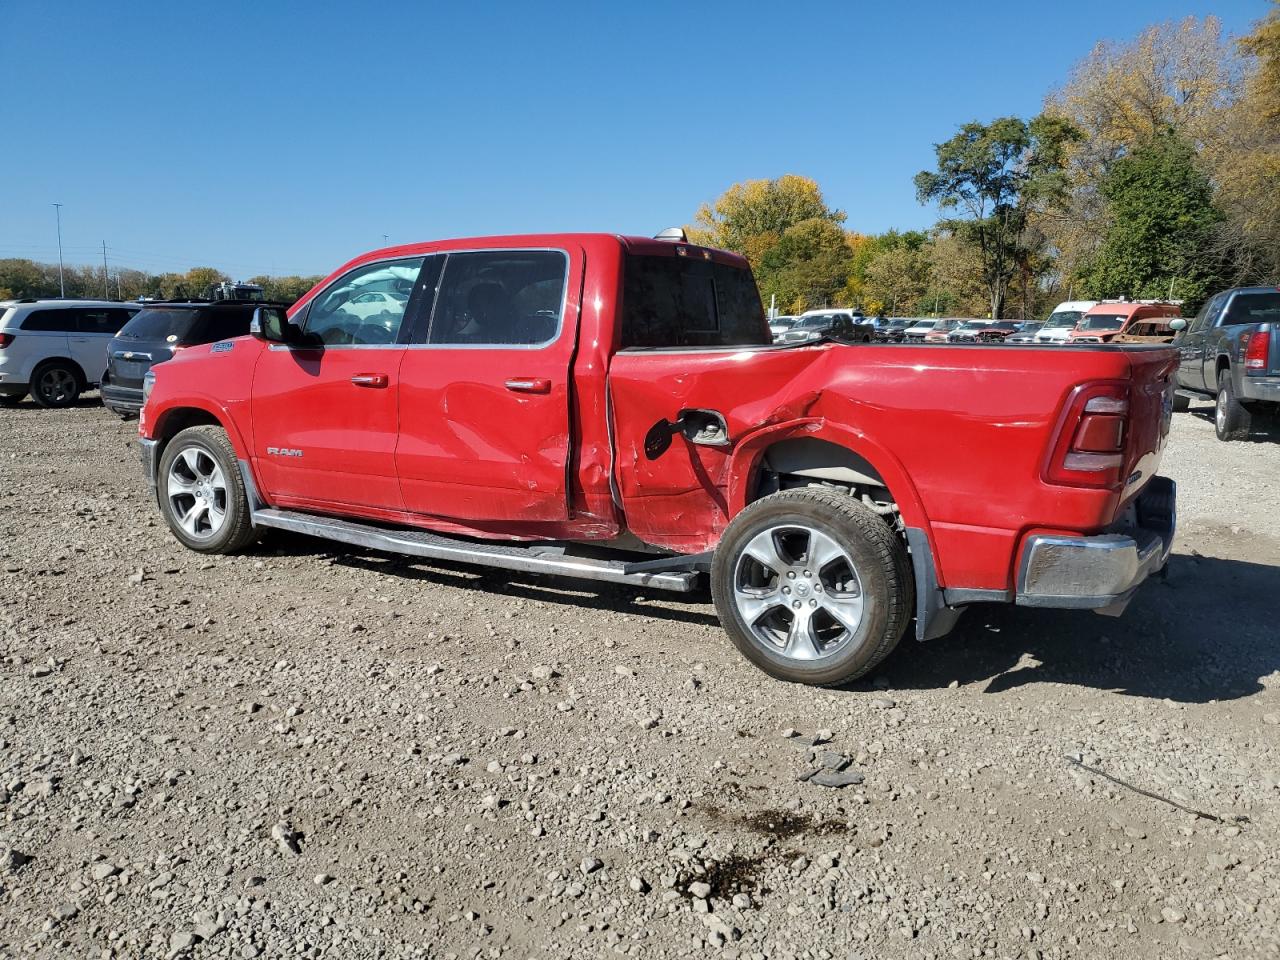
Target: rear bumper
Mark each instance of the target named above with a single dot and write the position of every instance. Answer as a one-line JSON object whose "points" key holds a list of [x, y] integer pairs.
{"points": [[1260, 388], [123, 399], [1100, 572], [150, 459]]}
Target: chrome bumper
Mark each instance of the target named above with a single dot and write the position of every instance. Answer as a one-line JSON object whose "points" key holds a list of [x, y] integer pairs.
{"points": [[1260, 388], [1100, 572], [150, 459]]}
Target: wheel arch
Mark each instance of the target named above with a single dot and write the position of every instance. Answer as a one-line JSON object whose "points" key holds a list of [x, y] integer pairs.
{"points": [[174, 419], [825, 451]]}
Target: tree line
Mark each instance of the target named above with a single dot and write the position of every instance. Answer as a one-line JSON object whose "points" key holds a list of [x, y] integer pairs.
{"points": [[27, 278], [1152, 172]]}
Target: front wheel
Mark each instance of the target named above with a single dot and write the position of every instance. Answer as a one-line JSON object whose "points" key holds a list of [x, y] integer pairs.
{"points": [[201, 492], [812, 586], [1231, 419]]}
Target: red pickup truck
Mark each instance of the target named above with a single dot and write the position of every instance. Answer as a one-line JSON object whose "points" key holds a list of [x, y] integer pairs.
{"points": [[613, 408]]}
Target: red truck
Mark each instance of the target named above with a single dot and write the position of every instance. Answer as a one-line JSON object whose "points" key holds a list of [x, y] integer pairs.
{"points": [[613, 408]]}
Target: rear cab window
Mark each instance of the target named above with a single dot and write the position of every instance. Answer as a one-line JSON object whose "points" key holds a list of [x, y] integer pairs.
{"points": [[683, 301], [1257, 307]]}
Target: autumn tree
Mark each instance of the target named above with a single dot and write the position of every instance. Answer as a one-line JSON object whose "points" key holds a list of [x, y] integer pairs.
{"points": [[994, 176]]}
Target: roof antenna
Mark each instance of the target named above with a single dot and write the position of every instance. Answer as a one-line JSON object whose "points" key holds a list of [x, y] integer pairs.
{"points": [[676, 234]]}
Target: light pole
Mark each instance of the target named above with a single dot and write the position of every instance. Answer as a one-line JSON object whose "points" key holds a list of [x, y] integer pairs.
{"points": [[62, 286]]}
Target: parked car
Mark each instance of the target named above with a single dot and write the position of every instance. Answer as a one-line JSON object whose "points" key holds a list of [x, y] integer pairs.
{"points": [[918, 331], [780, 325], [56, 349], [1110, 318], [941, 329], [159, 331], [834, 322], [1230, 352], [984, 331], [1148, 331], [1026, 333], [893, 330], [1063, 320], [831, 493]]}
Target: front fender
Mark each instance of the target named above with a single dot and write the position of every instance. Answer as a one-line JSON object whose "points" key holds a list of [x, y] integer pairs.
{"points": [[158, 419]]}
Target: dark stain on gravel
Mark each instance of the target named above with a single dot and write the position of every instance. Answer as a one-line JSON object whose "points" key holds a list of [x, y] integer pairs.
{"points": [[777, 824]]}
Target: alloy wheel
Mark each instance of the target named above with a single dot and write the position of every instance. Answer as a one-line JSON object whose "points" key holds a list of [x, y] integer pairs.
{"points": [[197, 492], [57, 386], [798, 592]]}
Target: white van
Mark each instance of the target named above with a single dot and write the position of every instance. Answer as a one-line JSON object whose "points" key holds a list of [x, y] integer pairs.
{"points": [[1063, 320], [56, 349]]}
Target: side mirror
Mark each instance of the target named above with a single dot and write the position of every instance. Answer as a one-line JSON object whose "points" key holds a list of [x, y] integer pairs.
{"points": [[272, 325], [1178, 323]]}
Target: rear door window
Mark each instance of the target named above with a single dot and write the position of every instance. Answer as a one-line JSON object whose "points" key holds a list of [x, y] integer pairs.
{"points": [[500, 298], [686, 302], [107, 320], [51, 321]]}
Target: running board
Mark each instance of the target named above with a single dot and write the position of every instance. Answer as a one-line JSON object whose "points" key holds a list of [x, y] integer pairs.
{"points": [[420, 543]]}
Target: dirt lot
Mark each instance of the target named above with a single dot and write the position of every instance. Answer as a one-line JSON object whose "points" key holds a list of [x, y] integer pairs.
{"points": [[309, 752]]}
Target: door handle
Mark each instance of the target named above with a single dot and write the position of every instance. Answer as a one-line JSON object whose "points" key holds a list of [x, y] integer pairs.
{"points": [[370, 380], [528, 385]]}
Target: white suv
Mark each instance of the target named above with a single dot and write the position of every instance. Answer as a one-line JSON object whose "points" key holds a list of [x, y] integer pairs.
{"points": [[1063, 320], [56, 349]]}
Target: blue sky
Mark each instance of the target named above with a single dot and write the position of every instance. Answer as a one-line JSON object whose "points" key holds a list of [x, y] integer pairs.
{"points": [[284, 138]]}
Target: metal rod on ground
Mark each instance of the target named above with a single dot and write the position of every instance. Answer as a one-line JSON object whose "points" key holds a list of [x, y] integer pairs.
{"points": [[62, 286], [1154, 796]]}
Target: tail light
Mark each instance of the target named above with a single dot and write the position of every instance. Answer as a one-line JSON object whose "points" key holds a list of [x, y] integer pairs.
{"points": [[5, 340], [1257, 354], [1089, 447]]}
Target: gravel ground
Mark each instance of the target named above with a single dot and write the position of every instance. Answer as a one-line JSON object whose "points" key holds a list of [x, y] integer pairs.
{"points": [[309, 751]]}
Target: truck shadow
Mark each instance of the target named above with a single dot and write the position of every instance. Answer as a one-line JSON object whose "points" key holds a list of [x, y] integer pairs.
{"points": [[1264, 429], [1207, 632]]}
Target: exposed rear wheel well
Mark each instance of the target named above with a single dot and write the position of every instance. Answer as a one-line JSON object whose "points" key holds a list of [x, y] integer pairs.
{"points": [[1223, 364], [808, 461]]}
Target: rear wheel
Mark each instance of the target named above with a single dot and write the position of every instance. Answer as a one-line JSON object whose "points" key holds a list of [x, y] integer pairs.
{"points": [[812, 586], [1231, 418], [55, 384], [201, 492]]}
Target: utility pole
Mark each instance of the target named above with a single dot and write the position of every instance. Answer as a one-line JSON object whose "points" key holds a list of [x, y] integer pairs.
{"points": [[62, 286], [106, 290]]}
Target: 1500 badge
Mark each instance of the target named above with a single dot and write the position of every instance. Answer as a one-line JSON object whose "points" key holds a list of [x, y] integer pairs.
{"points": [[283, 452]]}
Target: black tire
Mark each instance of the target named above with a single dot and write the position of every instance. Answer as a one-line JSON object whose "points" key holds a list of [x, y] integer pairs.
{"points": [[1181, 404], [205, 445], [1231, 418], [55, 384], [878, 558], [11, 399]]}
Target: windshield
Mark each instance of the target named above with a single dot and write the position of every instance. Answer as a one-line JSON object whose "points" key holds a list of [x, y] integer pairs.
{"points": [[782, 322], [1103, 321], [924, 325], [1063, 318], [159, 323], [821, 320]]}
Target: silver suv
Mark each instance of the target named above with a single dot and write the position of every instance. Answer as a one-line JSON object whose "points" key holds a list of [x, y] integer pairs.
{"points": [[56, 349]]}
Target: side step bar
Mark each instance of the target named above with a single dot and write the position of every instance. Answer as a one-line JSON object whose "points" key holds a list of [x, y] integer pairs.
{"points": [[419, 543]]}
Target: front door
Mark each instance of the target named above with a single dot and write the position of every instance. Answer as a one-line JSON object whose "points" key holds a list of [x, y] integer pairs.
{"points": [[326, 411], [1191, 346], [485, 391]]}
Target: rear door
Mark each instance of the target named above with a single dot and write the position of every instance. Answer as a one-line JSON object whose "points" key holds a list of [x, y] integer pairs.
{"points": [[326, 412], [485, 388], [95, 326]]}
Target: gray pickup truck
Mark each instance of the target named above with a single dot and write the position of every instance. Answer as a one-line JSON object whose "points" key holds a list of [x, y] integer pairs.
{"points": [[1230, 353]]}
